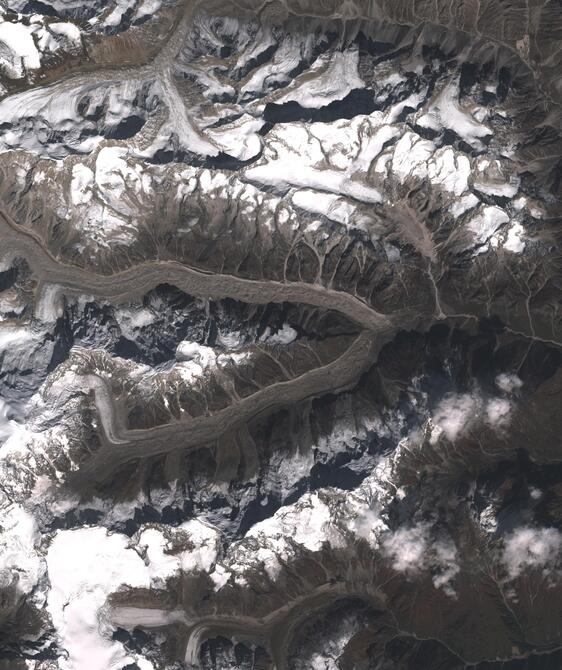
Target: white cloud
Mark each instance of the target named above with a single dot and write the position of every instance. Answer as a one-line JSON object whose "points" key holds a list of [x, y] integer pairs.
{"points": [[508, 382], [407, 547], [368, 525], [412, 550], [454, 413], [446, 559], [497, 412], [532, 548]]}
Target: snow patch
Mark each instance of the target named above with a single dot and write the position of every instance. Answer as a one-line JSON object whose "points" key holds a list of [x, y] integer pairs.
{"points": [[81, 185], [19, 53], [464, 204], [68, 30], [285, 335], [131, 320], [20, 562], [85, 566], [515, 239], [485, 224]]}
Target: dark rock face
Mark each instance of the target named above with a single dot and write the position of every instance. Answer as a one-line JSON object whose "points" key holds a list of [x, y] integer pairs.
{"points": [[280, 335]]}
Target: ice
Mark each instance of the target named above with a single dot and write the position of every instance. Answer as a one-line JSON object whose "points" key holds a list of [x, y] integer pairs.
{"points": [[14, 337], [50, 304], [263, 41], [446, 112], [411, 155], [147, 8], [115, 17], [373, 146], [239, 139], [286, 59], [305, 524], [230, 340], [206, 545], [191, 351], [181, 124], [106, 198], [416, 157], [32, 118], [213, 87], [220, 577], [7, 424], [286, 171], [449, 170], [331, 206], [162, 565], [332, 77], [132, 617], [500, 190], [113, 173], [194, 359], [46, 41]]}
